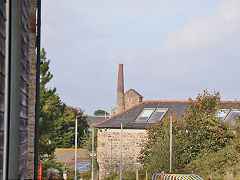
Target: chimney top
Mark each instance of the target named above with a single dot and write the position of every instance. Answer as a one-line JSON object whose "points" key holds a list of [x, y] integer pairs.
{"points": [[120, 90], [120, 86]]}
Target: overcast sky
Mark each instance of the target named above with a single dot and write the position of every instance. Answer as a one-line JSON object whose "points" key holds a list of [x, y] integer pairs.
{"points": [[171, 49]]}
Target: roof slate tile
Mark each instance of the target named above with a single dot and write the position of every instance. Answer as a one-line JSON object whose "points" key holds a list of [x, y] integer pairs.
{"points": [[129, 116]]}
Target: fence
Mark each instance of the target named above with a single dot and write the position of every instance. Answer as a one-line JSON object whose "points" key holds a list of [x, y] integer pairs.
{"points": [[160, 176]]}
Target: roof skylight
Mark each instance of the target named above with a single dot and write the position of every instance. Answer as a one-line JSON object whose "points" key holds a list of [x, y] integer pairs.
{"points": [[221, 114], [158, 114], [233, 115], [145, 114], [151, 114]]}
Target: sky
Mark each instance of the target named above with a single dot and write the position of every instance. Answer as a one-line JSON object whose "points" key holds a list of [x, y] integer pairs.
{"points": [[171, 50]]}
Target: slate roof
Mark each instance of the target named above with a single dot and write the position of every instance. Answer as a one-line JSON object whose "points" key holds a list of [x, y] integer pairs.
{"points": [[129, 116], [133, 90], [96, 119]]}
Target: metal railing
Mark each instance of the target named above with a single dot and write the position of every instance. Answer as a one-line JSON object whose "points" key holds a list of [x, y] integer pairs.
{"points": [[160, 176]]}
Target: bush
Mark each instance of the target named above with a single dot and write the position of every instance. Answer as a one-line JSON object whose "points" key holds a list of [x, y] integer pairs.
{"points": [[196, 134], [51, 163], [218, 163], [86, 174], [71, 173], [127, 175], [48, 163]]}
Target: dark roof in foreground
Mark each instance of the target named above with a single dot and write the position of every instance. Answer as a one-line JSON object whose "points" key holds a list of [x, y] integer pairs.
{"points": [[128, 117], [96, 119]]}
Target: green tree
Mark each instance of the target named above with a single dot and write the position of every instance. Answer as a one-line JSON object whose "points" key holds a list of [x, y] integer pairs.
{"points": [[204, 132], [218, 163], [225, 160], [57, 120], [100, 112], [51, 110], [66, 128], [88, 145], [196, 133]]}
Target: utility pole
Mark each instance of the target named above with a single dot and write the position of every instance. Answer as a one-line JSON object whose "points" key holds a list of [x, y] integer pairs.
{"points": [[37, 109], [75, 170], [120, 178], [92, 152], [170, 144]]}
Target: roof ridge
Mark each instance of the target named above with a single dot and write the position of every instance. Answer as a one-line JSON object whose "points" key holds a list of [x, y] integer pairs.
{"points": [[133, 90], [153, 101], [156, 101], [105, 120], [230, 101], [186, 101]]}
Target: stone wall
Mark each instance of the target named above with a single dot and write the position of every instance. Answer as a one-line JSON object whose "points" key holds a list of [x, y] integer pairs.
{"points": [[2, 78], [131, 99], [109, 145]]}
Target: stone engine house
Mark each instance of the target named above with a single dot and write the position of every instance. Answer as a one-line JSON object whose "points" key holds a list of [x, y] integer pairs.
{"points": [[127, 99], [136, 117]]}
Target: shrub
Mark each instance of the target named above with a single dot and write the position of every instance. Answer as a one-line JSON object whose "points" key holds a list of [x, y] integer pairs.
{"points": [[218, 163]]}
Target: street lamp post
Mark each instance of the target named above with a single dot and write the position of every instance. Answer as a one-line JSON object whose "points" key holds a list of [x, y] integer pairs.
{"points": [[75, 171], [170, 144], [121, 134], [92, 152]]}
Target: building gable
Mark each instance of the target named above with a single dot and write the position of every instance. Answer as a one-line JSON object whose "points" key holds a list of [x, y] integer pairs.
{"points": [[131, 98]]}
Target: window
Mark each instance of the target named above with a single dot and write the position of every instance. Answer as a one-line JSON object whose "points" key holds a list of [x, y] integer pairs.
{"points": [[221, 114], [158, 114], [229, 115], [234, 114], [145, 114], [151, 114], [129, 100]]}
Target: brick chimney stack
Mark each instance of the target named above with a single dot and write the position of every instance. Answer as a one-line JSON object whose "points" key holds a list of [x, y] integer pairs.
{"points": [[120, 91]]}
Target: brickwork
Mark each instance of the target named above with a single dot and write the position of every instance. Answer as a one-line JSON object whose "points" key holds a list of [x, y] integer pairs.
{"points": [[108, 150], [131, 99], [32, 88], [2, 78], [120, 91]]}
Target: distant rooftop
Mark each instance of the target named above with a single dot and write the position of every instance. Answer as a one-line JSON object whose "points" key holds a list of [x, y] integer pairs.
{"points": [[136, 118], [96, 119]]}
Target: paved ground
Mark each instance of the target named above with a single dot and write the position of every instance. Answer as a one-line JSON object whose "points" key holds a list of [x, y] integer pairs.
{"points": [[83, 166]]}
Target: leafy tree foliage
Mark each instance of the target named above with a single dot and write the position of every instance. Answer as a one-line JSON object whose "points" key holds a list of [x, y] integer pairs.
{"points": [[100, 112], [57, 120], [66, 128], [221, 162], [217, 163], [51, 109], [88, 145], [196, 134]]}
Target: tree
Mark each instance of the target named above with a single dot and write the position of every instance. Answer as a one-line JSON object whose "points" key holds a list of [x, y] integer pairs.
{"points": [[204, 131], [196, 133], [57, 120], [100, 112], [88, 145], [51, 110], [220, 162], [66, 131]]}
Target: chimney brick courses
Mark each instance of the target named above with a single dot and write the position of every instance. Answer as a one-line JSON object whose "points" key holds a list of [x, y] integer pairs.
{"points": [[120, 91]]}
